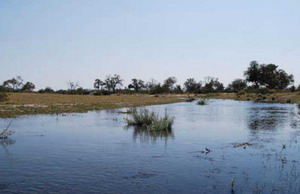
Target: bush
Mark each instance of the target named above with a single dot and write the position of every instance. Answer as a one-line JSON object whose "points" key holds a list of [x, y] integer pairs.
{"points": [[3, 97], [190, 99], [100, 93], [202, 102], [150, 120], [46, 90]]}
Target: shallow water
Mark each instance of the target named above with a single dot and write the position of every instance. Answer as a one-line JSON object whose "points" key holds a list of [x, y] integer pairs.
{"points": [[95, 153]]}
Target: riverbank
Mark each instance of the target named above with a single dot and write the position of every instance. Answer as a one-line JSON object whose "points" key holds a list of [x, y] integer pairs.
{"points": [[291, 97], [33, 103]]}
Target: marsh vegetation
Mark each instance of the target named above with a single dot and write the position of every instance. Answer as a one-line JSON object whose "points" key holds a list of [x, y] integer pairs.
{"points": [[150, 120], [202, 102]]}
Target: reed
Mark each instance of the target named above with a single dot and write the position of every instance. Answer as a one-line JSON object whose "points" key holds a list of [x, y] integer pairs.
{"points": [[150, 120]]}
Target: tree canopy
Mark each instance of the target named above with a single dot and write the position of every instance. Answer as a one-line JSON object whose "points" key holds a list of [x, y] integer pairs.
{"points": [[269, 76]]}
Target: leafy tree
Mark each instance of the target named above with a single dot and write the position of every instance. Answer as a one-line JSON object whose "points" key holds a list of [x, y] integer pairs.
{"points": [[298, 88], [98, 84], [292, 89], [136, 84], [169, 83], [253, 74], [212, 85], [14, 83], [268, 76], [151, 84], [112, 82], [191, 85], [178, 89], [46, 90], [284, 80], [28, 86], [157, 89], [237, 85]]}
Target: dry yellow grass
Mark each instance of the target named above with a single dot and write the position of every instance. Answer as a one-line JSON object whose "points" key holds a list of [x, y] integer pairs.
{"points": [[32, 103]]}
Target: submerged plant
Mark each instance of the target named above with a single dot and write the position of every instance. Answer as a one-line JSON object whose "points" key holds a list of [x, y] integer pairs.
{"points": [[202, 102], [150, 120], [6, 132]]}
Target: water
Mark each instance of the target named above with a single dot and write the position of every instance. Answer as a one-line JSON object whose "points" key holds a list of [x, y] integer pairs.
{"points": [[95, 153]]}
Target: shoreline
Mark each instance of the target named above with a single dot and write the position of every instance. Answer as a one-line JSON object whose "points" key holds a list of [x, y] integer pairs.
{"points": [[19, 104]]}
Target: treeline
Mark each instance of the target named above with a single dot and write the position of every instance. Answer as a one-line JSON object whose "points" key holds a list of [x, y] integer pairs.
{"points": [[257, 78]]}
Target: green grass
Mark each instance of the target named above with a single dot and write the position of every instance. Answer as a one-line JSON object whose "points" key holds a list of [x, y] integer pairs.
{"points": [[150, 120]]}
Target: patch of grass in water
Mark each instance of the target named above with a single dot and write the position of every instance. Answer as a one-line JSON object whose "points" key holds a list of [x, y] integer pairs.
{"points": [[150, 120], [202, 102]]}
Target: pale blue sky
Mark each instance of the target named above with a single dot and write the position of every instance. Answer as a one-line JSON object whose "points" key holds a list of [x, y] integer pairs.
{"points": [[51, 42]]}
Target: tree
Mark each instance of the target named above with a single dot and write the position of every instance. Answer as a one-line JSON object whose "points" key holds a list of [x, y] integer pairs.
{"points": [[237, 85], [28, 86], [212, 85], [73, 85], [178, 89], [112, 82], [191, 85], [253, 74], [169, 83], [46, 90], [14, 83], [284, 80], [136, 84], [99, 84], [268, 76], [151, 84]]}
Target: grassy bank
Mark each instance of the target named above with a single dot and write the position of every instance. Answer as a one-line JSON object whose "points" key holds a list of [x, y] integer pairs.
{"points": [[32, 103], [274, 97]]}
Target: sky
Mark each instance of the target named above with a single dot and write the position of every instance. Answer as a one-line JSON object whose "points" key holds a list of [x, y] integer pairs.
{"points": [[52, 42]]}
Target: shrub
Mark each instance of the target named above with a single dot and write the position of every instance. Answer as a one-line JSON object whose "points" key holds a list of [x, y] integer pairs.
{"points": [[150, 120], [46, 90], [100, 93], [3, 97], [202, 102], [190, 99]]}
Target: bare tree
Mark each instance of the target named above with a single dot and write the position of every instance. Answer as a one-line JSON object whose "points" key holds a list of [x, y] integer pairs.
{"points": [[73, 85]]}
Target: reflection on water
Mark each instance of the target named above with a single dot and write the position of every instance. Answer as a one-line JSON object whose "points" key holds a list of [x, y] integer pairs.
{"points": [[92, 153], [144, 135], [7, 142], [267, 118]]}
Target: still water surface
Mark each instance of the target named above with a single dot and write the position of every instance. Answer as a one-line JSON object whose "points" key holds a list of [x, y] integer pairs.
{"points": [[95, 153]]}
